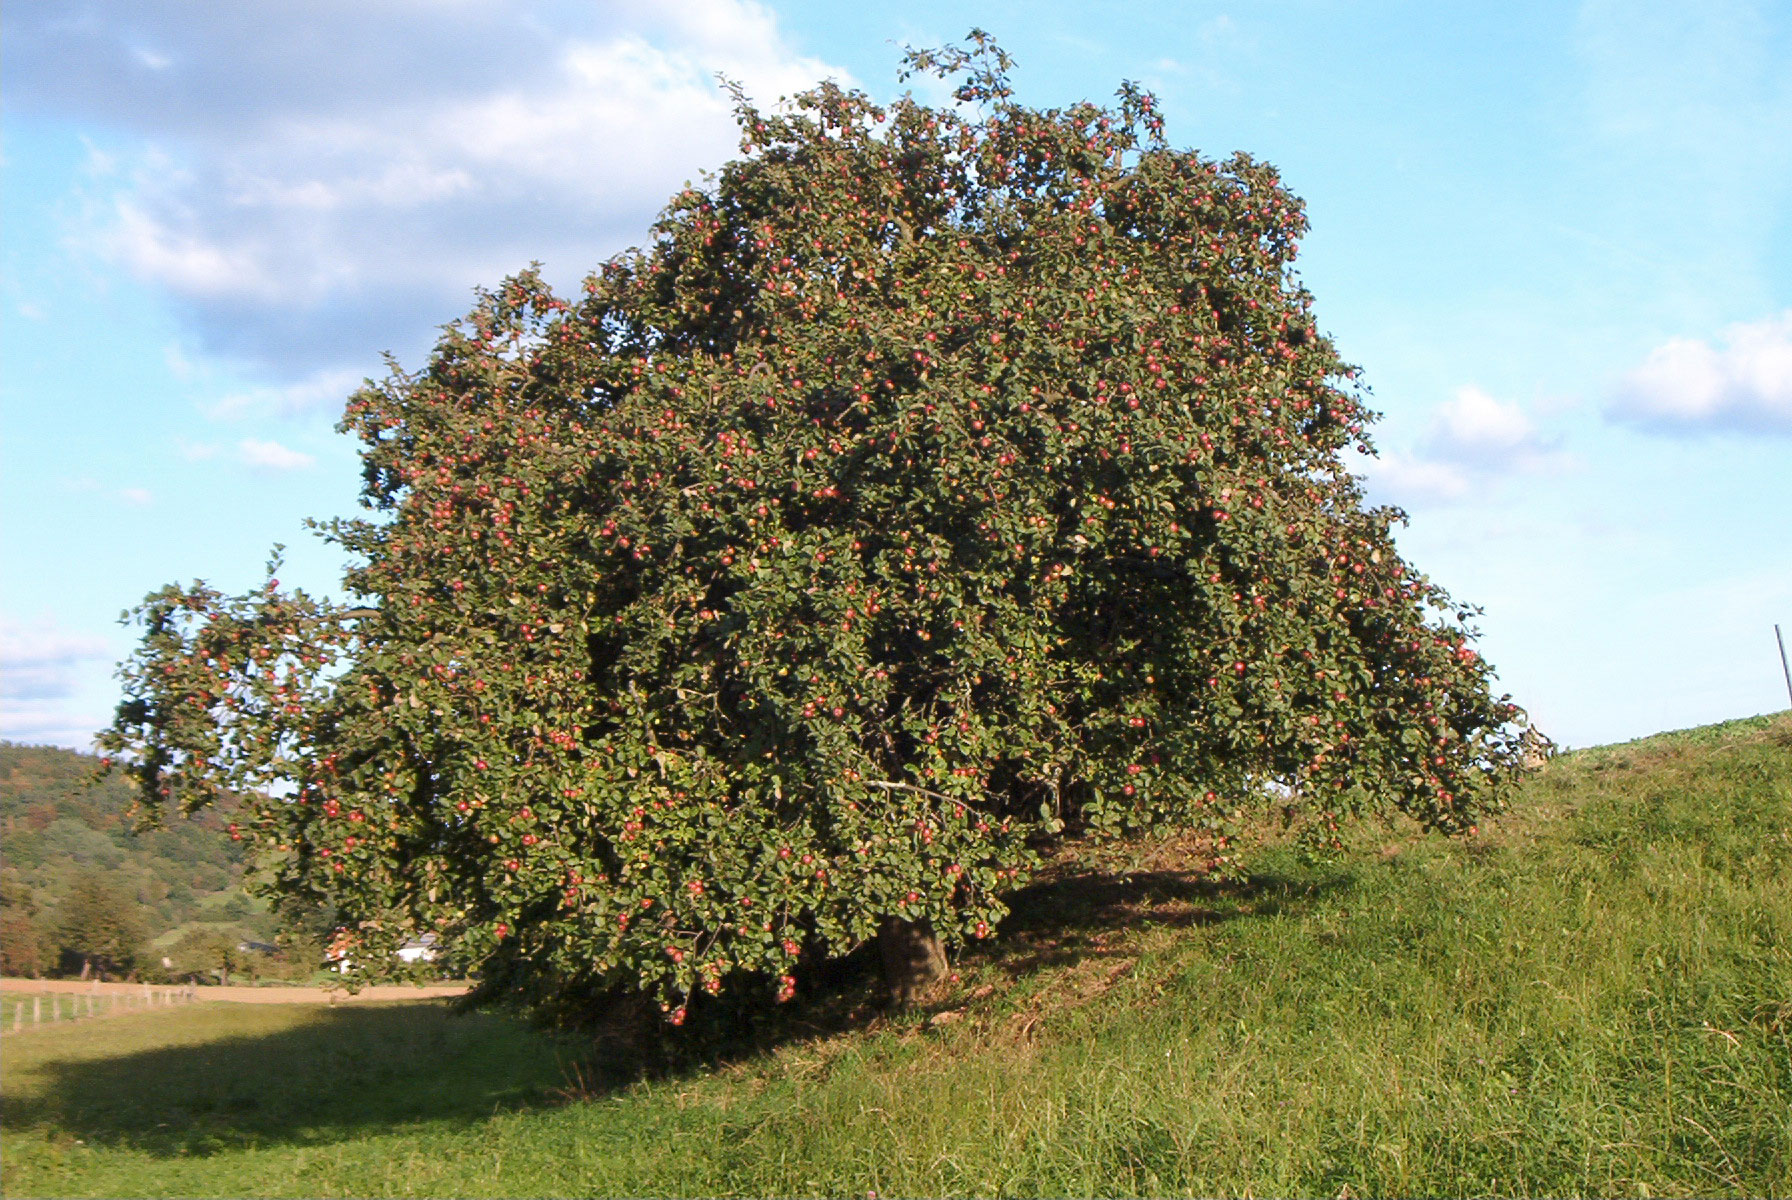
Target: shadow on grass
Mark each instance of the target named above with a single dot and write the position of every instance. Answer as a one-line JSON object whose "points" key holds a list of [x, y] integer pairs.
{"points": [[334, 1074], [1071, 914], [342, 1073]]}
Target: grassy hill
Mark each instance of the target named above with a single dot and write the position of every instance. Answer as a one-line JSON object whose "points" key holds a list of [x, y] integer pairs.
{"points": [[55, 830], [1594, 997]]}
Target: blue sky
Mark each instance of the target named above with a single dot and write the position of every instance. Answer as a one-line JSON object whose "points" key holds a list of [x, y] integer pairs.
{"points": [[1557, 239]]}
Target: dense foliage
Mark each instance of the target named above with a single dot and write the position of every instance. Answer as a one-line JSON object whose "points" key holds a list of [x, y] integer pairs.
{"points": [[935, 481]]}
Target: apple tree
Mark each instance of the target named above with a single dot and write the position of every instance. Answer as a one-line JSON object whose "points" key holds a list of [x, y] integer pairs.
{"points": [[937, 481]]}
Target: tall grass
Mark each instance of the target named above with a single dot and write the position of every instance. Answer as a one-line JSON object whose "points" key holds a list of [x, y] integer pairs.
{"points": [[1595, 997]]}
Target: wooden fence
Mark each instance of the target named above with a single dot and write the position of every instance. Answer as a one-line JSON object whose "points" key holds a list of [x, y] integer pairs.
{"points": [[40, 1009]]}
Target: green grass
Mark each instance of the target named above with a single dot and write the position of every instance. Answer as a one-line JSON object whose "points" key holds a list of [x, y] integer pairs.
{"points": [[1595, 997]]}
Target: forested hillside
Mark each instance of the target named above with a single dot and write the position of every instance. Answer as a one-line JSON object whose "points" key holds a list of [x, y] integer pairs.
{"points": [[70, 857]]}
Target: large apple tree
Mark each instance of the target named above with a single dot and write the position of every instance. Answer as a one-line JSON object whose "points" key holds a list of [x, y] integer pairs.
{"points": [[936, 482]]}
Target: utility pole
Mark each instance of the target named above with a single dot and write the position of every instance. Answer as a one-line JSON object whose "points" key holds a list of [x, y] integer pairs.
{"points": [[1784, 669]]}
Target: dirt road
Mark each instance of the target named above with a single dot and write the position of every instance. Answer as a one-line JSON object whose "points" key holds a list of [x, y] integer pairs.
{"points": [[240, 995]]}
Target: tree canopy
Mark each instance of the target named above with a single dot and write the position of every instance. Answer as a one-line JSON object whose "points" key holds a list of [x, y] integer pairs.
{"points": [[936, 481]]}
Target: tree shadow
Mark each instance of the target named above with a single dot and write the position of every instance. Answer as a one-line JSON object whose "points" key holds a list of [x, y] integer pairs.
{"points": [[335, 1074], [344, 1072], [1074, 912]]}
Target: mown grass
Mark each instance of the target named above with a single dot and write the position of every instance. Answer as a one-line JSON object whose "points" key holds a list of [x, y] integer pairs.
{"points": [[1594, 997]]}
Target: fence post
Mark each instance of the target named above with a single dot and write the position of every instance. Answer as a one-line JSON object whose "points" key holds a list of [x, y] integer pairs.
{"points": [[1784, 669], [37, 1010], [18, 1017]]}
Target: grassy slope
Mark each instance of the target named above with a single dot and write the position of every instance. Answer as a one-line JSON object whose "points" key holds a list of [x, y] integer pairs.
{"points": [[1595, 997]]}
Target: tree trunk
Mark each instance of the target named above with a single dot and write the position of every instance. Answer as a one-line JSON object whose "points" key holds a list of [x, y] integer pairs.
{"points": [[914, 960]]}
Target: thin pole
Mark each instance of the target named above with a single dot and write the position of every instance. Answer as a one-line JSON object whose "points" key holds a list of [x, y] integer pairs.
{"points": [[1784, 669]]}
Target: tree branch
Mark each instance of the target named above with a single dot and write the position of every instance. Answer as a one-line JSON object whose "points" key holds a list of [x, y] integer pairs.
{"points": [[909, 787]]}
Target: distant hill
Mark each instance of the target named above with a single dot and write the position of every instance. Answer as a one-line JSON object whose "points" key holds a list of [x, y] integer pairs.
{"points": [[56, 833]]}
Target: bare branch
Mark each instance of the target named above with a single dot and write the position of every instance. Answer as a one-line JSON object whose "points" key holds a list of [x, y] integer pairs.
{"points": [[909, 787]]}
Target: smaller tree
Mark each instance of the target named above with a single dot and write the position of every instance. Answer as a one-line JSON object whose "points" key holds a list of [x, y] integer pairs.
{"points": [[304, 932], [211, 951], [100, 926], [23, 947]]}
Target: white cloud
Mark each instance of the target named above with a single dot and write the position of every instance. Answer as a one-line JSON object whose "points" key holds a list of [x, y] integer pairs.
{"points": [[1475, 425], [136, 496], [53, 683], [1416, 479], [1405, 479], [49, 723], [1742, 382], [327, 388], [272, 456], [39, 661], [99, 163], [185, 261], [319, 183], [179, 365], [1471, 442]]}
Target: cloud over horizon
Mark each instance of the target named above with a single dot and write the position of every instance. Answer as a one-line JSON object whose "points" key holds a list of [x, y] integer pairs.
{"points": [[41, 670]]}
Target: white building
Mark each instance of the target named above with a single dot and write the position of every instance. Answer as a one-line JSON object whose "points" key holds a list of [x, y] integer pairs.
{"points": [[421, 949]]}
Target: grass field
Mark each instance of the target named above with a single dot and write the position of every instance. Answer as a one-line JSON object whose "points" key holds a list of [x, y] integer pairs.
{"points": [[1594, 997]]}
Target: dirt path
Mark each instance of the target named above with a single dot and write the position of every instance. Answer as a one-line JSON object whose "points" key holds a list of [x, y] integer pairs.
{"points": [[239, 995]]}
